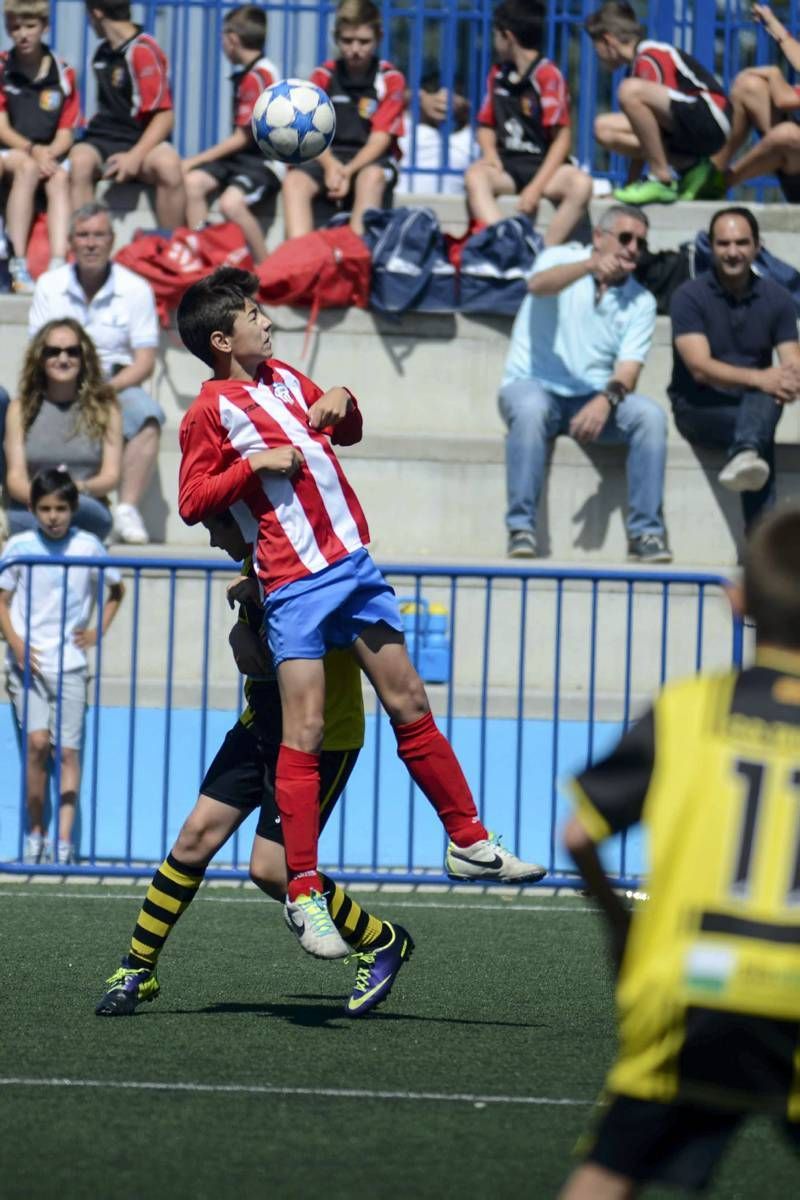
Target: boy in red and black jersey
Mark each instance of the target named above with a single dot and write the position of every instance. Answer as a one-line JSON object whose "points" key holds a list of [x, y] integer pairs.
{"points": [[38, 112], [524, 130], [127, 137], [236, 165], [675, 113], [368, 94]]}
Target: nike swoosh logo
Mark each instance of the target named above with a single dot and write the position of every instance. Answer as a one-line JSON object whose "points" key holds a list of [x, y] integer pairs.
{"points": [[494, 865], [298, 924]]}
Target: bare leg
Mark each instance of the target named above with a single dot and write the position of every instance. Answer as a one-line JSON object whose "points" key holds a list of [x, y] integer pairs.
{"points": [[268, 868], [162, 170], [483, 183], [206, 830], [38, 762], [590, 1182], [614, 132], [298, 191], [752, 109], [370, 185], [19, 210], [778, 150], [58, 213], [570, 190], [234, 208], [647, 107], [199, 186], [85, 168], [138, 463], [70, 783]]}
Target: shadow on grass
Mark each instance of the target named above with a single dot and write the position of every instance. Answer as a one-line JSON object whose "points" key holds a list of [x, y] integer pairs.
{"points": [[312, 1015]]}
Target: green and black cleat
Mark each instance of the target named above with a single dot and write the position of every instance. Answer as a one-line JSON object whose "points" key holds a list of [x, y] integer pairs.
{"points": [[129, 987]]}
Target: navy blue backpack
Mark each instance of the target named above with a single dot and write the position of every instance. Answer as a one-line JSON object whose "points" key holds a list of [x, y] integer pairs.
{"points": [[495, 265], [410, 267]]}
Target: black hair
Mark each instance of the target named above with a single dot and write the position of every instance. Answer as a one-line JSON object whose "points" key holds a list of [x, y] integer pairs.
{"points": [[772, 577], [112, 10], [213, 304], [736, 210], [525, 20], [54, 481]]}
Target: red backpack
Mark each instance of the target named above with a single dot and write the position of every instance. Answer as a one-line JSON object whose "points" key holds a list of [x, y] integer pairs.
{"points": [[170, 265], [329, 268]]}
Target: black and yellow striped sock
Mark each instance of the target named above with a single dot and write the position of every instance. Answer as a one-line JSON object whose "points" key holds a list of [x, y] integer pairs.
{"points": [[358, 927], [170, 893]]}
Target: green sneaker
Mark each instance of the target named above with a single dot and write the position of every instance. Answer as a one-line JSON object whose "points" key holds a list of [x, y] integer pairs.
{"points": [[702, 182], [715, 187], [648, 191], [129, 987]]}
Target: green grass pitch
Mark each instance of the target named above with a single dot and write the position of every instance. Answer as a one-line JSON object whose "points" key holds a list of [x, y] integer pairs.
{"points": [[475, 1079]]}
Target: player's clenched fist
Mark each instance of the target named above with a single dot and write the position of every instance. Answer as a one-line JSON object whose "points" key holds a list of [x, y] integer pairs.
{"points": [[283, 460], [331, 408]]}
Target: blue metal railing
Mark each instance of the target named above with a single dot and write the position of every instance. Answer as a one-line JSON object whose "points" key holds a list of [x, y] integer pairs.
{"points": [[453, 34], [545, 667]]}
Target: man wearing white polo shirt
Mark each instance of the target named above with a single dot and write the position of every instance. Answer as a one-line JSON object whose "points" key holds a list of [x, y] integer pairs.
{"points": [[117, 310], [577, 348]]}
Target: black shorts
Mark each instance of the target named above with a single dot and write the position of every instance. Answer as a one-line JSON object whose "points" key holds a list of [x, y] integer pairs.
{"points": [[105, 145], [243, 775], [247, 172], [521, 168], [676, 1144], [695, 132], [790, 186], [345, 154]]}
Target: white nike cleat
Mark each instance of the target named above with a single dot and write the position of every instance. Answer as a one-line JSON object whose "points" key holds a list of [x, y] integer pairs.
{"points": [[487, 859], [311, 923]]}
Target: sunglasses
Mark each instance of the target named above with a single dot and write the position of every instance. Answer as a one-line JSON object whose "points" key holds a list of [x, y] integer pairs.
{"points": [[56, 351], [627, 238]]}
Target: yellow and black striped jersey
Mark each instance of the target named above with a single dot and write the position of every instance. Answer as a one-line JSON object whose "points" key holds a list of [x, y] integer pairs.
{"points": [[713, 773]]}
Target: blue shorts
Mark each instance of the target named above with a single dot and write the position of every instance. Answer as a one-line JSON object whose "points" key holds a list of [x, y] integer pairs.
{"points": [[329, 609]]}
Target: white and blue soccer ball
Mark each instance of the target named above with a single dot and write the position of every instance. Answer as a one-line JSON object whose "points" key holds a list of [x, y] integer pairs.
{"points": [[293, 121]]}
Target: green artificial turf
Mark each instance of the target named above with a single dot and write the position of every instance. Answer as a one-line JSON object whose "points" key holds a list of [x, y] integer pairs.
{"points": [[499, 1000]]}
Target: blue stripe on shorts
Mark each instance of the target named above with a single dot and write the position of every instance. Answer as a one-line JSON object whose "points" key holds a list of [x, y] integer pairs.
{"points": [[329, 609]]}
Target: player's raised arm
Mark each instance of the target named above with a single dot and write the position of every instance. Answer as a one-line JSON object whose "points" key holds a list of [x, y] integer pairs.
{"points": [[336, 413]]}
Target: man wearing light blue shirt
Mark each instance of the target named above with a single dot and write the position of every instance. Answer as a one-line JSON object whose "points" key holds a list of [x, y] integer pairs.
{"points": [[577, 348]]}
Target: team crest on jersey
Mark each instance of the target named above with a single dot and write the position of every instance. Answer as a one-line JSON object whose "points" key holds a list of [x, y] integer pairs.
{"points": [[49, 99], [526, 105], [118, 77], [366, 107], [281, 392]]}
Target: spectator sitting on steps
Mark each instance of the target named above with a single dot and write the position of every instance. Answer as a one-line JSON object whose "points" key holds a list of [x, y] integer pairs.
{"points": [[65, 415], [725, 392], [577, 347], [117, 310]]}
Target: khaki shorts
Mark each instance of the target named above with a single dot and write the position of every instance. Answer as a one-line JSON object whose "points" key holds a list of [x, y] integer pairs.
{"points": [[43, 704]]}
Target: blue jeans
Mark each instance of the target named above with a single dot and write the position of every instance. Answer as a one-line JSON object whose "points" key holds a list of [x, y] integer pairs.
{"points": [[744, 423], [91, 515], [535, 416], [4, 401]]}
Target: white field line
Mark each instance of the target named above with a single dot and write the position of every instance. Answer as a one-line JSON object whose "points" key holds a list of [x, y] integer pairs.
{"points": [[385, 901], [247, 1089]]}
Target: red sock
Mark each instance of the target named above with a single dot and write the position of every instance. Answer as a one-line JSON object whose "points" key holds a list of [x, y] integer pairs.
{"points": [[431, 763], [297, 797]]}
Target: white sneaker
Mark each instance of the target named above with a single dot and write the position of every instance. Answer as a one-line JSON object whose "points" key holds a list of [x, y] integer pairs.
{"points": [[33, 848], [311, 923], [65, 853], [21, 282], [56, 261], [129, 526], [487, 859], [745, 472]]}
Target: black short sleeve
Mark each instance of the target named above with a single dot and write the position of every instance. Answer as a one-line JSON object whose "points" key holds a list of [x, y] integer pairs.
{"points": [[617, 786]]}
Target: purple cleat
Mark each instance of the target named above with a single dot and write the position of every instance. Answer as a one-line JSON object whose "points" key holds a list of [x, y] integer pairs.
{"points": [[377, 971]]}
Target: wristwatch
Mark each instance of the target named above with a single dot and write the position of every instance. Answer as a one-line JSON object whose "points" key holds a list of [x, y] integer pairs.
{"points": [[615, 392]]}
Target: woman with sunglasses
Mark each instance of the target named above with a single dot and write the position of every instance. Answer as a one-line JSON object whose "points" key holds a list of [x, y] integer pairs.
{"points": [[64, 415]]}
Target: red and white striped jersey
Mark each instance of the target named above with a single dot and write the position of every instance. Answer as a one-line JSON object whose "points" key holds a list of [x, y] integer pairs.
{"points": [[686, 78], [296, 526]]}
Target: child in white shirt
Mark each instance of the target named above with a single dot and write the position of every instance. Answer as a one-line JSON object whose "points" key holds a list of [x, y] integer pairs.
{"points": [[48, 636]]}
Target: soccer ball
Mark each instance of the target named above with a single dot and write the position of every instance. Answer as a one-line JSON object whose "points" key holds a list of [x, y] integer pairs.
{"points": [[293, 121]]}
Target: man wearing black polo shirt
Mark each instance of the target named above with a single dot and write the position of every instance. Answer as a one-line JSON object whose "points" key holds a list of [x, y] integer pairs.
{"points": [[725, 392]]}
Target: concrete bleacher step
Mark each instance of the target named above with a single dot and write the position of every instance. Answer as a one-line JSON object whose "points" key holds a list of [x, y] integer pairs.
{"points": [[430, 470]]}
